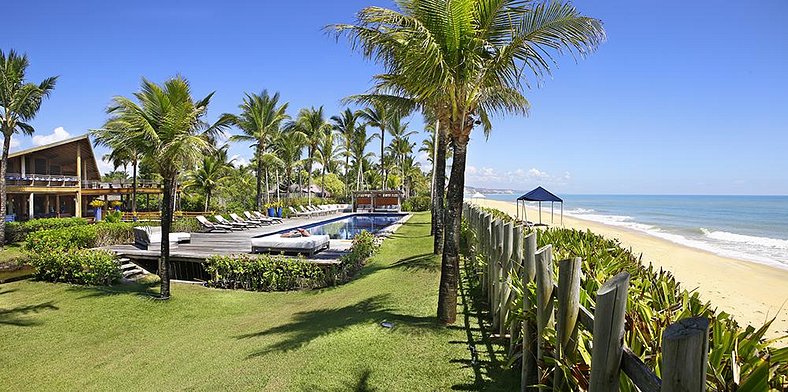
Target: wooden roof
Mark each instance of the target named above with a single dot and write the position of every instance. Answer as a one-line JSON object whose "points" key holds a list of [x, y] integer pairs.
{"points": [[65, 151]]}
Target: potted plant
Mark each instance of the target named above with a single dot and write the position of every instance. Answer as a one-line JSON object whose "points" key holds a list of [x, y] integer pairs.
{"points": [[271, 210], [116, 204], [279, 210], [97, 204]]}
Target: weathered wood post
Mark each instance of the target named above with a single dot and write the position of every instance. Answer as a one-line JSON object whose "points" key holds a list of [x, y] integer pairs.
{"points": [[493, 264], [608, 341], [529, 371], [568, 308], [685, 350], [544, 297], [497, 284], [484, 243], [517, 272], [506, 280]]}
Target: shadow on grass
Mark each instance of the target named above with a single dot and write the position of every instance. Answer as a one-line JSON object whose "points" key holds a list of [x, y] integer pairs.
{"points": [[143, 289], [488, 358], [426, 262], [7, 291], [310, 325], [362, 385], [11, 316]]}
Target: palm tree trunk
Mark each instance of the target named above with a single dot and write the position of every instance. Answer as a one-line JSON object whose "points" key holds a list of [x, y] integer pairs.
{"points": [[267, 192], [347, 174], [323, 183], [277, 185], [166, 226], [3, 196], [259, 175], [382, 170], [438, 195], [309, 178], [450, 266], [133, 188], [207, 200]]}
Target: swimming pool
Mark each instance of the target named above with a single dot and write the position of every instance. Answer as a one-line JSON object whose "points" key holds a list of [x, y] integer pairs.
{"points": [[347, 227]]}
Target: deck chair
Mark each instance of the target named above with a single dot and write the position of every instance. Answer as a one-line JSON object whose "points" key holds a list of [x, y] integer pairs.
{"points": [[235, 225], [299, 213], [249, 222], [210, 227], [262, 219]]}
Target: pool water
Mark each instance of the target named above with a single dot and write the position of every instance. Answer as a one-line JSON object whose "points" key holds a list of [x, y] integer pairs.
{"points": [[347, 228]]}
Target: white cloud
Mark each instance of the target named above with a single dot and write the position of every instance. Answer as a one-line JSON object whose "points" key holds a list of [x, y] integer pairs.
{"points": [[239, 161], [15, 143], [57, 135], [105, 166], [536, 173], [490, 177]]}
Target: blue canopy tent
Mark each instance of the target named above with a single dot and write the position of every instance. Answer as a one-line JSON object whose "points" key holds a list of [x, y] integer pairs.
{"points": [[539, 195]]}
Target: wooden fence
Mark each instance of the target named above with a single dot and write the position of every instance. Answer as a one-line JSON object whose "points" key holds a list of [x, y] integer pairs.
{"points": [[509, 253]]}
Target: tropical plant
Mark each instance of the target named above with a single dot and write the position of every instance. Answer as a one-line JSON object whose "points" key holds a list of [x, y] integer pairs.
{"points": [[206, 177], [465, 60], [289, 146], [359, 156], [121, 155], [328, 155], [345, 124], [260, 119], [166, 125], [19, 103], [378, 115]]}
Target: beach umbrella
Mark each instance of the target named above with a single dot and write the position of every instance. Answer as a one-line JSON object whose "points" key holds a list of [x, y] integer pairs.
{"points": [[478, 195]]}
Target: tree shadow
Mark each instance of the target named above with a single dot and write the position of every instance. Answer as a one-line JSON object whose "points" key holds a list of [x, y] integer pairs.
{"points": [[310, 325], [362, 384], [426, 262], [488, 358], [144, 289], [11, 316], [7, 291]]}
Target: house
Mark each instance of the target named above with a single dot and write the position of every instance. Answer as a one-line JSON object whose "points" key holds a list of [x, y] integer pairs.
{"points": [[60, 180]]}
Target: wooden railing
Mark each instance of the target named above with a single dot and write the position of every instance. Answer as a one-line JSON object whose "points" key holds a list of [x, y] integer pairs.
{"points": [[120, 184], [508, 254]]}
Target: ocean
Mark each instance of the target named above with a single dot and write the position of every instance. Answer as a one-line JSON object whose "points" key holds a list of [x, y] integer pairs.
{"points": [[752, 228]]}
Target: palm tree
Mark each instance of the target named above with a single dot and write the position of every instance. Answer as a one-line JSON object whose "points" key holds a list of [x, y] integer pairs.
{"points": [[465, 60], [328, 156], [122, 155], [19, 103], [289, 146], [260, 118], [345, 124], [378, 116], [166, 125], [400, 145], [312, 124], [206, 177], [360, 141]]}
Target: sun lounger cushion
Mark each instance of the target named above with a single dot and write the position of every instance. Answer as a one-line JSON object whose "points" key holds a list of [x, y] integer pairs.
{"points": [[150, 235], [276, 243]]}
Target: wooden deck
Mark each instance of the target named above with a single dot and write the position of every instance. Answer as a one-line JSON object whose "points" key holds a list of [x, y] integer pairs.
{"points": [[204, 245]]}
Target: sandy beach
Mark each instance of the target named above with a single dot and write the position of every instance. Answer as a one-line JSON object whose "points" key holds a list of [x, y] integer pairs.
{"points": [[751, 292]]}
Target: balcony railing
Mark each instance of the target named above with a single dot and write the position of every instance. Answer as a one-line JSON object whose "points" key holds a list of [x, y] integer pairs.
{"points": [[120, 184], [32, 179]]}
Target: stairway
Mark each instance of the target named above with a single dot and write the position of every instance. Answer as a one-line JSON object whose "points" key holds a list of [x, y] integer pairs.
{"points": [[131, 272]]}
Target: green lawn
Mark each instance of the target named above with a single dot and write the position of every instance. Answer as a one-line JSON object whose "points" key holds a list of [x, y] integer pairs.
{"points": [[58, 336]]}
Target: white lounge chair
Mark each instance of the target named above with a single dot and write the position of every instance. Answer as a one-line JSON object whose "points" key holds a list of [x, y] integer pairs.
{"points": [[275, 243], [211, 227], [299, 213], [260, 216], [238, 219], [150, 236], [234, 225]]}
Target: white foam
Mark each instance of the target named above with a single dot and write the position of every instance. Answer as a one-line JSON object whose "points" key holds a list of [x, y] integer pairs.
{"points": [[746, 239], [581, 211]]}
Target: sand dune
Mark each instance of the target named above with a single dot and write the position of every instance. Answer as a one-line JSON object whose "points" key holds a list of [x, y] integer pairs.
{"points": [[752, 292]]}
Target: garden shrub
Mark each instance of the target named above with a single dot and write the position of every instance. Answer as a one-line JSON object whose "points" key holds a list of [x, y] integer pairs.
{"points": [[416, 204], [83, 266], [79, 237], [183, 224], [281, 273], [18, 231]]}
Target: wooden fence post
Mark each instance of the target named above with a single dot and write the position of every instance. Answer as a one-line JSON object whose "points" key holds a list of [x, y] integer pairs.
{"points": [[497, 284], [530, 371], [544, 297], [517, 272], [608, 341], [685, 350], [485, 243], [568, 308], [506, 280]]}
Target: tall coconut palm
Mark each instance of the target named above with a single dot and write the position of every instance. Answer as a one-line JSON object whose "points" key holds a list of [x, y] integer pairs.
{"points": [[400, 145], [328, 155], [260, 118], [19, 103], [378, 115], [466, 60], [206, 177], [122, 155], [290, 145], [166, 125], [360, 157], [345, 125], [311, 122]]}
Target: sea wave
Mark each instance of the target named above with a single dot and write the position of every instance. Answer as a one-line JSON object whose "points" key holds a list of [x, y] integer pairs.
{"points": [[763, 250], [581, 211], [746, 239]]}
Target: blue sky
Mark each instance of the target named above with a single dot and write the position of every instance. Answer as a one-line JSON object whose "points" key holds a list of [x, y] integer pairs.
{"points": [[683, 98]]}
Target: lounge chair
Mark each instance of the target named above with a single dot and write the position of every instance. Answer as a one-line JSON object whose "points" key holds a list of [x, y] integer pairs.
{"points": [[234, 225], [311, 209], [210, 227], [238, 219], [275, 243], [299, 213], [150, 236], [262, 219]]}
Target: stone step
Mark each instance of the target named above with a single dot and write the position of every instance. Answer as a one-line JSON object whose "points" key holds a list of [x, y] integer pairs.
{"points": [[128, 266], [129, 273]]}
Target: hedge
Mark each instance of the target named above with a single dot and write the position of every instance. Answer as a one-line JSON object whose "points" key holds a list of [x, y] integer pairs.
{"points": [[416, 204], [80, 237], [281, 273], [83, 266], [18, 231]]}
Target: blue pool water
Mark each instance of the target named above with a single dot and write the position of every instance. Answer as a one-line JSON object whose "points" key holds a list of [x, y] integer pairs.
{"points": [[347, 227]]}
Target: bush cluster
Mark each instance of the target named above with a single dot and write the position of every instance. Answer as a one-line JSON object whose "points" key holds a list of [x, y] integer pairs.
{"points": [[280, 273], [18, 231], [79, 237], [416, 204], [82, 266], [183, 224]]}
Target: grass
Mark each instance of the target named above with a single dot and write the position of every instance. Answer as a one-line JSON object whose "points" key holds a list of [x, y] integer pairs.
{"points": [[57, 336], [12, 262]]}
